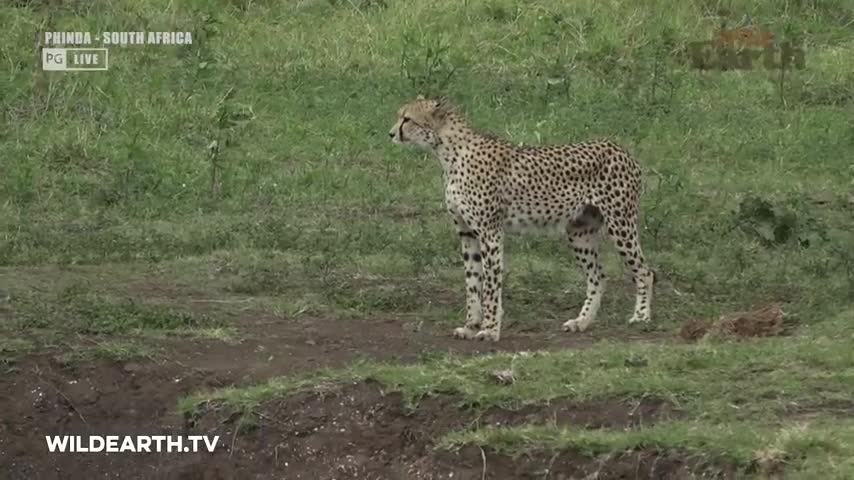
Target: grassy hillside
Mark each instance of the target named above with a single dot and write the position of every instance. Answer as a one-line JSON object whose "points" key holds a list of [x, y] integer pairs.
{"points": [[119, 166], [260, 153]]}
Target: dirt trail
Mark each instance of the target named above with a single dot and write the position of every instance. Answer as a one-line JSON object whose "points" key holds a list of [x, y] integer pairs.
{"points": [[44, 395]]}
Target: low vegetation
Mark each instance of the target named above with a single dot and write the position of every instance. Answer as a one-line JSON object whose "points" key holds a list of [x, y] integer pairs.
{"points": [[253, 168]]}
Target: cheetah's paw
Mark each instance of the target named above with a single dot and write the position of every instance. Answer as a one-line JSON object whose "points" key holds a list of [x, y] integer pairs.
{"points": [[576, 325], [639, 319], [464, 333], [490, 334]]}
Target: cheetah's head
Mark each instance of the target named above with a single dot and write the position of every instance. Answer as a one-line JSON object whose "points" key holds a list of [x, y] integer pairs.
{"points": [[419, 122]]}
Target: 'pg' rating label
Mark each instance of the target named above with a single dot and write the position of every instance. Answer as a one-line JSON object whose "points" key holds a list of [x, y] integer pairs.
{"points": [[74, 59]]}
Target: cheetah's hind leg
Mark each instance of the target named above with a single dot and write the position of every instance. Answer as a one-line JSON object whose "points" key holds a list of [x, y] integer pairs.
{"points": [[627, 241], [585, 238]]}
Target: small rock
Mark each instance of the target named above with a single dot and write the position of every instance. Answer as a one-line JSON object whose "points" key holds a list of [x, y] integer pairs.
{"points": [[504, 377], [822, 198], [39, 399], [132, 367], [765, 321], [82, 393], [636, 362], [62, 360]]}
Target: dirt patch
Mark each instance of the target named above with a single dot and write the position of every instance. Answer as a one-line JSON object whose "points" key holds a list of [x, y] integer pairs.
{"points": [[361, 432], [765, 321], [355, 431], [104, 398], [42, 395]]}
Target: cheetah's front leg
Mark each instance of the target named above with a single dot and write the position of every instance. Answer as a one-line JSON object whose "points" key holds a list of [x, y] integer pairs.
{"points": [[474, 271], [492, 249]]}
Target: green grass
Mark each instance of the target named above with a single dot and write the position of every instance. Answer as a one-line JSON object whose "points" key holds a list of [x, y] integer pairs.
{"points": [[94, 314], [305, 208], [85, 325], [110, 349], [805, 450]]}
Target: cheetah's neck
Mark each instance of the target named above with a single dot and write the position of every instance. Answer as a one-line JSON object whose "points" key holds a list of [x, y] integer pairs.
{"points": [[459, 142]]}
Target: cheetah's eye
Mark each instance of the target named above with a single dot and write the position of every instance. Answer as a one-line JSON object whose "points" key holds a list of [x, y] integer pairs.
{"points": [[405, 119]]}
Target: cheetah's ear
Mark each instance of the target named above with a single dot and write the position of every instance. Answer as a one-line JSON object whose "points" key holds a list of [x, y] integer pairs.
{"points": [[420, 97], [444, 107]]}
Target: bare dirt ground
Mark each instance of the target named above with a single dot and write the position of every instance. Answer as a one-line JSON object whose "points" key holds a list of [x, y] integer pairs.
{"points": [[355, 432]]}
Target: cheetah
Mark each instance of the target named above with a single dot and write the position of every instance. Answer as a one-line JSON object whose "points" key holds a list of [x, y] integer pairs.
{"points": [[493, 187]]}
